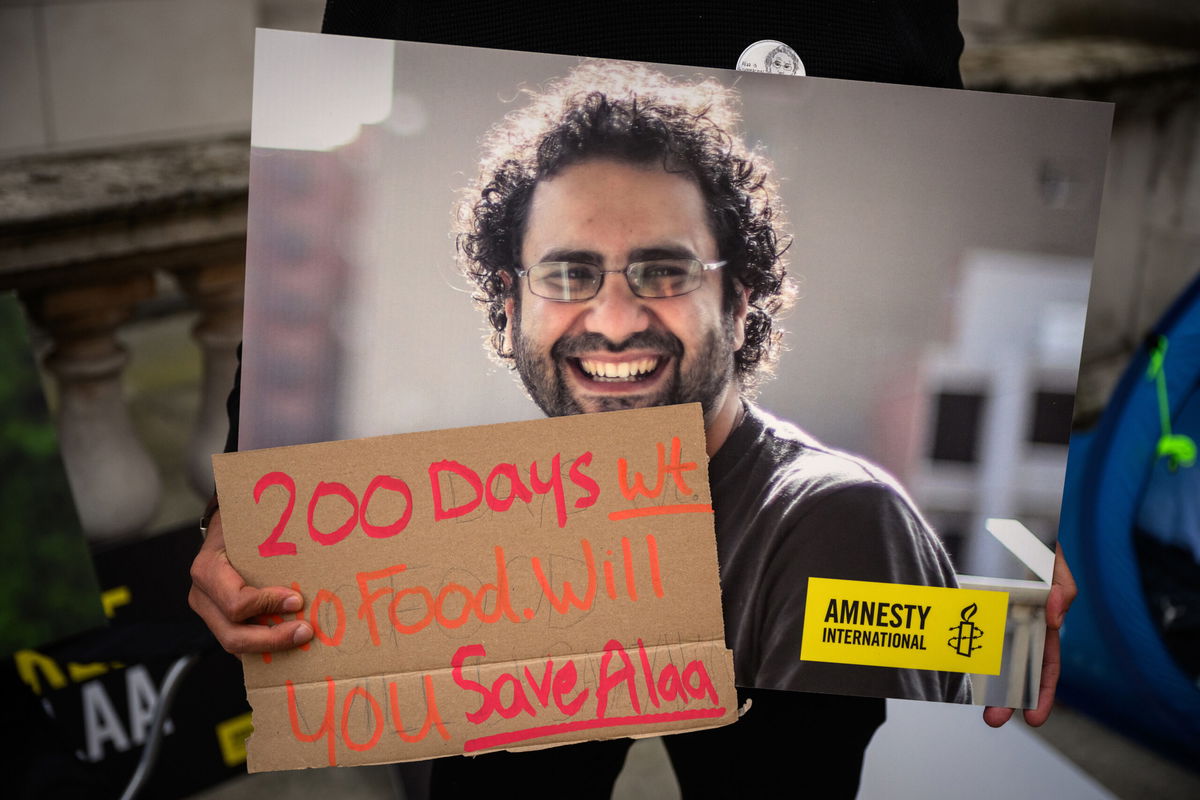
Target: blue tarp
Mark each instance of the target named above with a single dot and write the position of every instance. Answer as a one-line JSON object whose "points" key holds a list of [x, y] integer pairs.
{"points": [[1115, 663]]}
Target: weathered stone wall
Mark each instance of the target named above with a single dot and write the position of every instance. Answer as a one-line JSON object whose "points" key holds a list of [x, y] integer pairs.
{"points": [[1166, 22], [97, 73]]}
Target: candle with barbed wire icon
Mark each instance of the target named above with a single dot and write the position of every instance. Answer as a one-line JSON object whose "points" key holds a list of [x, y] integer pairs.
{"points": [[966, 633]]}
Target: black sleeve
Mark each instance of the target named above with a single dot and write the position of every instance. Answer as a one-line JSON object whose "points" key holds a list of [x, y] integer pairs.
{"points": [[233, 406]]}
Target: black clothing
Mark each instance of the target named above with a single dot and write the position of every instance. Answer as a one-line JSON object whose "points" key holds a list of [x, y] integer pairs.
{"points": [[915, 43], [810, 743]]}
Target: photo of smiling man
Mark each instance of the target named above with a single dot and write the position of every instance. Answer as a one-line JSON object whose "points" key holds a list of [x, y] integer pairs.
{"points": [[806, 259]]}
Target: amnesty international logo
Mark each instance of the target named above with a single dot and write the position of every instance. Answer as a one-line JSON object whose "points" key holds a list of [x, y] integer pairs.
{"points": [[896, 625], [966, 633]]}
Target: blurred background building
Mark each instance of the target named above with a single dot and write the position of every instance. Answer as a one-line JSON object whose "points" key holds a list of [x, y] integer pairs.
{"points": [[123, 178]]}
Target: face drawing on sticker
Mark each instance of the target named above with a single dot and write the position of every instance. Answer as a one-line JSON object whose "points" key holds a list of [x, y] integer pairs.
{"points": [[782, 61]]}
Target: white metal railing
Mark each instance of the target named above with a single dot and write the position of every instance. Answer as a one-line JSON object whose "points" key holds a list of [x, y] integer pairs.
{"points": [[1024, 638]]}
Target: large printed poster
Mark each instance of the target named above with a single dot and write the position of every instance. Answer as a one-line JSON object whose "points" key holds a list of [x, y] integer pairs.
{"points": [[875, 293]]}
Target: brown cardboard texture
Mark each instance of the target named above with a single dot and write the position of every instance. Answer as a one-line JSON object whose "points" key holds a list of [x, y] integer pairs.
{"points": [[497, 587]]}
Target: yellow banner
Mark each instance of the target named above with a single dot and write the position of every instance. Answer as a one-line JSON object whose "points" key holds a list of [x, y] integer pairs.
{"points": [[897, 625]]}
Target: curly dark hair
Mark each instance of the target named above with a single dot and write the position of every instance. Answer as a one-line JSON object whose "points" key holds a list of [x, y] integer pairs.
{"points": [[633, 114]]}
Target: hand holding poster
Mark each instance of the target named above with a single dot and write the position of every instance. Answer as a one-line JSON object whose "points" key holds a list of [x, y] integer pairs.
{"points": [[484, 588]]}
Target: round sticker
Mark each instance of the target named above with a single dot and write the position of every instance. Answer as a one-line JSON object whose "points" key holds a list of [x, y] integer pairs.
{"points": [[768, 55]]}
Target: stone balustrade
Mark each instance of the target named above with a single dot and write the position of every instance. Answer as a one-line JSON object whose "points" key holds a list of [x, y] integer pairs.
{"points": [[86, 240]]}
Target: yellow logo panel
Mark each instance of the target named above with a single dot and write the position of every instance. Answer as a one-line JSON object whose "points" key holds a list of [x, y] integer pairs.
{"points": [[231, 736], [897, 625]]}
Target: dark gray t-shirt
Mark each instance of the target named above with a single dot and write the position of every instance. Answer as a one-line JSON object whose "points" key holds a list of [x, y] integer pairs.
{"points": [[789, 508]]}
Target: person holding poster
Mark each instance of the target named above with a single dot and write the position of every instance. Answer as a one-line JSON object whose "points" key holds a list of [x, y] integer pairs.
{"points": [[615, 275]]}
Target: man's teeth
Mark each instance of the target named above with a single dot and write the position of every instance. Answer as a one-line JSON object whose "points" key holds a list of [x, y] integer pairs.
{"points": [[623, 371]]}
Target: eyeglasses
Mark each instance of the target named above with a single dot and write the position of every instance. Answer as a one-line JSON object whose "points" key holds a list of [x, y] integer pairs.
{"points": [[570, 282]]}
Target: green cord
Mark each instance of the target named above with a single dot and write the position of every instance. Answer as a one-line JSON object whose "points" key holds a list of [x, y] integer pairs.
{"points": [[1179, 450]]}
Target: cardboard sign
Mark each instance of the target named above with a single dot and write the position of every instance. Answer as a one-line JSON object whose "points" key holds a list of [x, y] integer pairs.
{"points": [[497, 587]]}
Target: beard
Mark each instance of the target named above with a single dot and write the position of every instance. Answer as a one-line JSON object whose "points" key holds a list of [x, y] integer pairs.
{"points": [[704, 381]]}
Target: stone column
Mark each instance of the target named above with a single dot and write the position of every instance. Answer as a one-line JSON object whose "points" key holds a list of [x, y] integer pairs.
{"points": [[115, 483], [217, 290]]}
